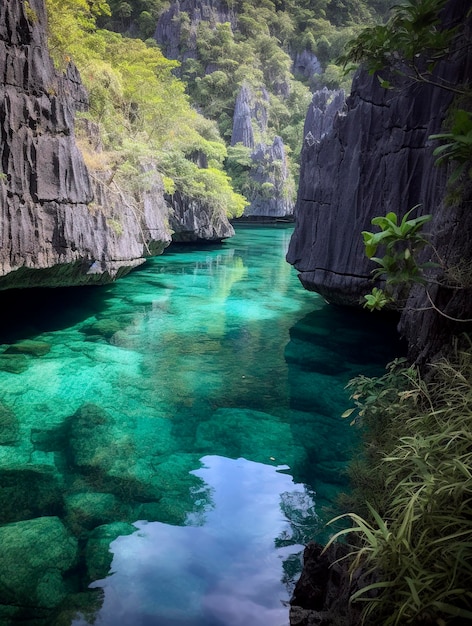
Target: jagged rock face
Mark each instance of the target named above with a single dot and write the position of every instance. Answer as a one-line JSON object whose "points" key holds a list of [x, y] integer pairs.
{"points": [[61, 224], [325, 106], [377, 158], [169, 32], [191, 221], [273, 197], [273, 187], [243, 117], [321, 596], [58, 227], [373, 161], [306, 64]]}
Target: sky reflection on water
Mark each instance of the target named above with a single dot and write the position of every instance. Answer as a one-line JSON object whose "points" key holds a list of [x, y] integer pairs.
{"points": [[222, 572]]}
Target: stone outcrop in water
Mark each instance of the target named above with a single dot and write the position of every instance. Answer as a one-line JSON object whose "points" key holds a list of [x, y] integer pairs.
{"points": [[62, 224], [192, 221], [378, 158], [58, 225], [321, 595]]}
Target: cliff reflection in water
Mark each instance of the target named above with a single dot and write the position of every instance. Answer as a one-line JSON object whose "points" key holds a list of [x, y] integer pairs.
{"points": [[185, 418]]}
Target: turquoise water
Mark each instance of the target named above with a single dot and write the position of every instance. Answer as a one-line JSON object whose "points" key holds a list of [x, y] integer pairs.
{"points": [[168, 443]]}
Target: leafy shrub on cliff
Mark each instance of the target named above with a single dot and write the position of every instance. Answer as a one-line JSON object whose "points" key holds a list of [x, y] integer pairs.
{"points": [[416, 477]]}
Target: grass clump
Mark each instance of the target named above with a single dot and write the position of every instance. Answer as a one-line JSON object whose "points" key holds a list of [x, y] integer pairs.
{"points": [[413, 492]]}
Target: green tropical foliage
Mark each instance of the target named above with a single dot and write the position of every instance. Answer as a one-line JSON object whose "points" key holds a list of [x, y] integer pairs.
{"points": [[412, 34], [415, 535], [458, 146], [147, 114], [401, 241], [255, 48]]}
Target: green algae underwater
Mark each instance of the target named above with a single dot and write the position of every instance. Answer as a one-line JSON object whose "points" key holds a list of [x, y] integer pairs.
{"points": [[169, 442]]}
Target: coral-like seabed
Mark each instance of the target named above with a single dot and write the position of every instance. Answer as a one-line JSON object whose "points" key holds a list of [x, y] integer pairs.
{"points": [[169, 442]]}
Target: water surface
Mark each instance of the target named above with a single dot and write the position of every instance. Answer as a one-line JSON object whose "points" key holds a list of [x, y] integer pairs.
{"points": [[168, 443]]}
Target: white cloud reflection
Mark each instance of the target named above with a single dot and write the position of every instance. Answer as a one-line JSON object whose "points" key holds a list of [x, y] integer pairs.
{"points": [[226, 572]]}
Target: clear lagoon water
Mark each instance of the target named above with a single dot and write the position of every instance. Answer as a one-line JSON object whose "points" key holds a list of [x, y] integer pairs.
{"points": [[168, 443]]}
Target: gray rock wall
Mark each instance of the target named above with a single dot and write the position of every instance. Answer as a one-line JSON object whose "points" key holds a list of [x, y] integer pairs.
{"points": [[61, 225], [272, 188], [192, 221], [377, 158], [169, 33], [306, 64], [58, 226]]}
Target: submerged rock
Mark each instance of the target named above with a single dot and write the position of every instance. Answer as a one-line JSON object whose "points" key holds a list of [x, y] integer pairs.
{"points": [[29, 492], [34, 559], [31, 347], [243, 432], [105, 328], [86, 510], [9, 426], [13, 363], [98, 556]]}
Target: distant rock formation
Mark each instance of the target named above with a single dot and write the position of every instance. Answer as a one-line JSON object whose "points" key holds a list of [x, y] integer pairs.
{"points": [[176, 37], [192, 221], [272, 189], [306, 64], [376, 158], [246, 113]]}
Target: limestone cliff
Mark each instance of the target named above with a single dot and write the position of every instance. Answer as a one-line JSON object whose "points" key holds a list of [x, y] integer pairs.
{"points": [[271, 189], [176, 36], [378, 158], [192, 221], [60, 223]]}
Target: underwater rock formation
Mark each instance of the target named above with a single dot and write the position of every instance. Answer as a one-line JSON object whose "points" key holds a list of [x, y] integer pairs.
{"points": [[35, 555]]}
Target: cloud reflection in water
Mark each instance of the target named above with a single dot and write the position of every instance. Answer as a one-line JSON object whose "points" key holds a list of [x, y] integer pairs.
{"points": [[225, 572]]}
